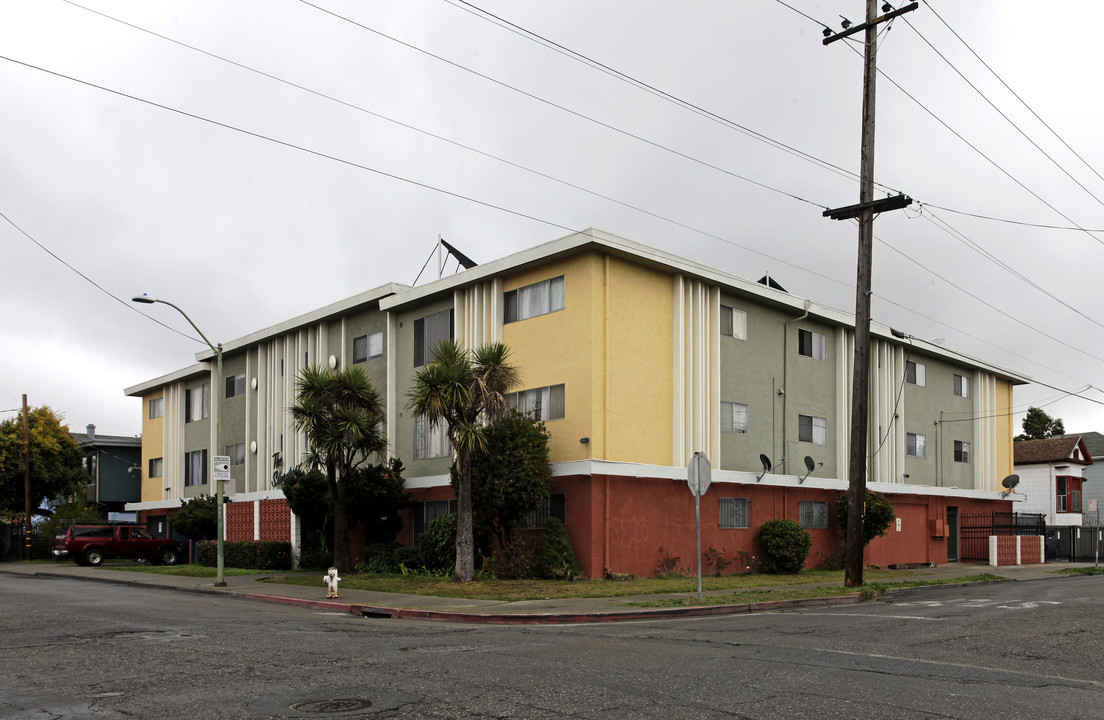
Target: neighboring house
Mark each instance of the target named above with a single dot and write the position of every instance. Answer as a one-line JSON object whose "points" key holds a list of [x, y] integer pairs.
{"points": [[1052, 475], [112, 464], [635, 359], [1094, 477]]}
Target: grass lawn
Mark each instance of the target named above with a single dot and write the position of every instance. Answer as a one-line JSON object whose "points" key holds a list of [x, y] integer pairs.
{"points": [[197, 571], [771, 587]]}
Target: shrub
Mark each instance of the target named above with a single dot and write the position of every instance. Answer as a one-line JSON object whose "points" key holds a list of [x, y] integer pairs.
{"points": [[556, 557], [437, 545], [517, 559], [248, 554], [315, 558], [670, 565], [878, 514], [786, 546], [717, 560], [387, 558]]}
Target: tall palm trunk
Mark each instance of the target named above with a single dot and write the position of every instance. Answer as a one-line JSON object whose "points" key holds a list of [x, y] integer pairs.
{"points": [[465, 542], [343, 560]]}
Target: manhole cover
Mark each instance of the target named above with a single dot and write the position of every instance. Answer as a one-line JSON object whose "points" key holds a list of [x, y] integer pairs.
{"points": [[441, 648], [334, 706]]}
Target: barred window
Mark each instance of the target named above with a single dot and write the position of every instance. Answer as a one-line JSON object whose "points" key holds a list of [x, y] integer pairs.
{"points": [[735, 513], [426, 512], [814, 514], [553, 506]]}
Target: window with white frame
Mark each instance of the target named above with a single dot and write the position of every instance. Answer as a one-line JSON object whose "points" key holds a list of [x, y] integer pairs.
{"points": [[430, 331], [734, 417], [962, 386], [430, 440], [812, 429], [916, 373], [156, 407], [961, 451], [196, 400], [812, 344], [195, 468], [156, 467], [916, 445], [546, 403], [236, 453], [546, 296], [735, 513], [813, 514], [367, 346], [733, 322], [235, 385]]}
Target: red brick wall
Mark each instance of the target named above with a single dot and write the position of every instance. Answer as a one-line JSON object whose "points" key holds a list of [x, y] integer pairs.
{"points": [[1006, 549], [239, 521], [275, 520], [1031, 550]]}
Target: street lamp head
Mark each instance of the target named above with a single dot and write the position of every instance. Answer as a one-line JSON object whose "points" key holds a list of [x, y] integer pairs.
{"points": [[143, 299]]}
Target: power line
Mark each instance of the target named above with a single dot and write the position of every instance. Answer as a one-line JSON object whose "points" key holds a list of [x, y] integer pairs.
{"points": [[1006, 220], [116, 298], [1003, 115], [1014, 93]]}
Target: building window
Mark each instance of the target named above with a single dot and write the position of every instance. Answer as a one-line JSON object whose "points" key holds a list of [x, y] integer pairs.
{"points": [[156, 407], [428, 333], [235, 385], [962, 386], [811, 344], [541, 298], [733, 322], [367, 346], [236, 453], [1067, 494], [735, 513], [554, 506], [156, 467], [916, 445], [734, 418], [546, 403], [916, 373], [814, 514], [195, 403], [425, 513], [195, 468], [812, 429], [961, 451], [430, 440]]}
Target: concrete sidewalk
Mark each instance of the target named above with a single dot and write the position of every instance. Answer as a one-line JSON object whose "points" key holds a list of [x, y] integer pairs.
{"points": [[425, 607]]}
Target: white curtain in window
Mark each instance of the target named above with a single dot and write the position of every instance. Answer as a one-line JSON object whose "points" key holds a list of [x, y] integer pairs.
{"points": [[556, 294], [533, 300]]}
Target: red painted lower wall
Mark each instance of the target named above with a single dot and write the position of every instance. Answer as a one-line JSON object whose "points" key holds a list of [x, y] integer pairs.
{"points": [[620, 523]]}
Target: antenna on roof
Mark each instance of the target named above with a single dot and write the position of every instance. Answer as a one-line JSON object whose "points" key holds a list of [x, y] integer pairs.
{"points": [[443, 250]]}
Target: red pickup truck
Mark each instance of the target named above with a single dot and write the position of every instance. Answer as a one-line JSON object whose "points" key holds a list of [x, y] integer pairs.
{"points": [[91, 543]]}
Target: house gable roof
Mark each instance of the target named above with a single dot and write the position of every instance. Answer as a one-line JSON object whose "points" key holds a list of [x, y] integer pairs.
{"points": [[1094, 441], [1051, 450]]}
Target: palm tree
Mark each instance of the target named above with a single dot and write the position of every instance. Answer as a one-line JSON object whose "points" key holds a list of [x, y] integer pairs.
{"points": [[341, 415], [467, 392]]}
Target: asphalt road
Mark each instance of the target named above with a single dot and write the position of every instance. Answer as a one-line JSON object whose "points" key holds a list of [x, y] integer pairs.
{"points": [[74, 649]]}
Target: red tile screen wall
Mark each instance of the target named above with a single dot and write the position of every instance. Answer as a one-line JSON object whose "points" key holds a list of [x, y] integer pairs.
{"points": [[275, 520], [1006, 550], [239, 521], [1031, 550]]}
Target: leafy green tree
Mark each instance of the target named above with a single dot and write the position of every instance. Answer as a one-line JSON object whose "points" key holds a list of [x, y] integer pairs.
{"points": [[197, 519], [556, 557], [308, 496], [1038, 425], [77, 508], [878, 513], [341, 414], [467, 392], [510, 477], [55, 460], [375, 498]]}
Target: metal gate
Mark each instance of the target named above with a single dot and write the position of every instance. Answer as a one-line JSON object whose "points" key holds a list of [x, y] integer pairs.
{"points": [[1075, 543], [974, 531]]}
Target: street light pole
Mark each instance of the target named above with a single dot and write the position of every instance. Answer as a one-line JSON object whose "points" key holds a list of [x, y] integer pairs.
{"points": [[217, 411]]}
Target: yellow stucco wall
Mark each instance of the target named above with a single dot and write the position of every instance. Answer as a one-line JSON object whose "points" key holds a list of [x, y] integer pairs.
{"points": [[153, 446], [1005, 460], [588, 344]]}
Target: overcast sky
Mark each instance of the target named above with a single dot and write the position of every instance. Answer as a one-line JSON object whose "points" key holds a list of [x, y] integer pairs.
{"points": [[251, 161]]}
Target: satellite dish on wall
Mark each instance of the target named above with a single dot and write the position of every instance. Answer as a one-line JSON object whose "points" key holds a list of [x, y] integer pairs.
{"points": [[766, 466], [1011, 482]]}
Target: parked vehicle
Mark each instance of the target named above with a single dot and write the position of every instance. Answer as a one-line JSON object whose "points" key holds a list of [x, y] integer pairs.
{"points": [[92, 543]]}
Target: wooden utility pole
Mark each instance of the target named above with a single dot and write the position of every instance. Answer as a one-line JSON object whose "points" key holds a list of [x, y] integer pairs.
{"points": [[26, 483], [864, 211]]}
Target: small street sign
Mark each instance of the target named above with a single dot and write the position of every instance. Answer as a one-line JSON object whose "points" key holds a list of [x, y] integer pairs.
{"points": [[221, 468], [697, 474]]}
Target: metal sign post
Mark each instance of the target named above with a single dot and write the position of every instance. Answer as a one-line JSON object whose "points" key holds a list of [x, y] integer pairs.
{"points": [[697, 477]]}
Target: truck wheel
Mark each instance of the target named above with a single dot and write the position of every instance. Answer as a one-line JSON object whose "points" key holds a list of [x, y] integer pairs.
{"points": [[93, 557], [78, 559], [169, 557]]}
